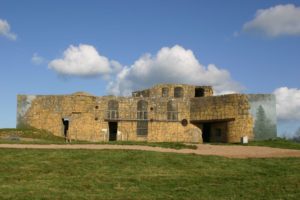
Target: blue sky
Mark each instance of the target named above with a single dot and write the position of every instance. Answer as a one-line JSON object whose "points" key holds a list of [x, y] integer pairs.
{"points": [[259, 57]]}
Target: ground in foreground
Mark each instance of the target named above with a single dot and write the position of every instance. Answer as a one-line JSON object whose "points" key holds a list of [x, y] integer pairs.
{"points": [[119, 174], [36, 136]]}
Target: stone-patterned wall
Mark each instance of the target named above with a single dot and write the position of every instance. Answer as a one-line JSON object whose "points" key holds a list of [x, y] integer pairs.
{"points": [[47, 112], [232, 109], [174, 132], [88, 118], [188, 91]]}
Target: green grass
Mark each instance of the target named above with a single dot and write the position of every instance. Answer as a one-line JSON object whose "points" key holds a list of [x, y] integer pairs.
{"points": [[44, 137], [277, 143], [116, 174], [16, 136], [13, 135]]}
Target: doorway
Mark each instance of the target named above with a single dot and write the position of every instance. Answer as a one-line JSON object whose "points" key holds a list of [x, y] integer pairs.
{"points": [[113, 129], [65, 122], [206, 132]]}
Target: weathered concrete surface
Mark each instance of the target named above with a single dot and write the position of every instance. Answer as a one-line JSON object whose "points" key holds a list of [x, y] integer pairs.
{"points": [[203, 149]]}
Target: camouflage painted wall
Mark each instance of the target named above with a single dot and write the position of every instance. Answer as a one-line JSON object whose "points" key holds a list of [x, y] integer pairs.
{"points": [[263, 110]]}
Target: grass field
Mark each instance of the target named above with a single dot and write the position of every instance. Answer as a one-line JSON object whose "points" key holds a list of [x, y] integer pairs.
{"points": [[277, 143], [35, 136], [116, 174]]}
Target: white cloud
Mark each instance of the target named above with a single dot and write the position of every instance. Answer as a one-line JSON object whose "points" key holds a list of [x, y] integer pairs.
{"points": [[171, 65], [116, 67], [36, 59], [83, 61], [5, 30], [276, 21], [288, 103]]}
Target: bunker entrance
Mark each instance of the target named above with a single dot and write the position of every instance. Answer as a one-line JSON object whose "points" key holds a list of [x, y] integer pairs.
{"points": [[65, 122], [206, 132], [214, 130], [113, 129]]}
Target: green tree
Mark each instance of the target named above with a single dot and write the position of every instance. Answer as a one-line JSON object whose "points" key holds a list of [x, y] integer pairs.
{"points": [[263, 127]]}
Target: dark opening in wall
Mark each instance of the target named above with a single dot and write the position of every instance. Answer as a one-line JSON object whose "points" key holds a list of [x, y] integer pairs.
{"points": [[113, 130], [199, 92], [206, 131], [218, 132], [65, 122], [178, 92]]}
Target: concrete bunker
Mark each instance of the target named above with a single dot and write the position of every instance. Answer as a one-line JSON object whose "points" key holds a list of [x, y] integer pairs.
{"points": [[162, 113]]}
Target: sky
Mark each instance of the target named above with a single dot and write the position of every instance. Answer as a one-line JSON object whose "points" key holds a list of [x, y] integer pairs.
{"points": [[117, 46]]}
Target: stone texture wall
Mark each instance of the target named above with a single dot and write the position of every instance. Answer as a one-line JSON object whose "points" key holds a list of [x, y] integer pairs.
{"points": [[47, 112], [88, 115], [188, 91], [232, 109]]}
